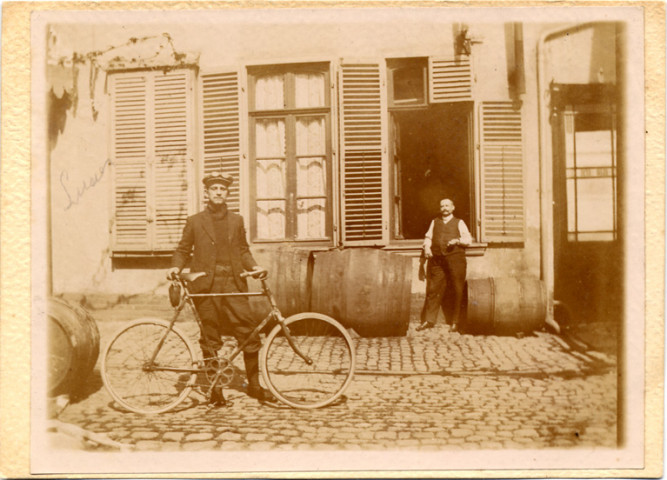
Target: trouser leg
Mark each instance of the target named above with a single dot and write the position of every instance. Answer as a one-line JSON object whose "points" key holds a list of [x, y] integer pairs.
{"points": [[456, 270], [251, 360], [238, 314], [435, 287], [210, 313], [208, 309]]}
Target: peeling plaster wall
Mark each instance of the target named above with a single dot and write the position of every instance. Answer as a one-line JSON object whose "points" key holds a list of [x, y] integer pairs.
{"points": [[81, 233], [81, 202]]}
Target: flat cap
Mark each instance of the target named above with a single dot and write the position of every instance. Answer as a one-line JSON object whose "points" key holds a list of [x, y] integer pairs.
{"points": [[218, 177]]}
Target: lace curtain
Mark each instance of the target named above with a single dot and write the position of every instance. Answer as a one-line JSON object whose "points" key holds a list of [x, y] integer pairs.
{"points": [[311, 177], [271, 178], [309, 145], [309, 90]]}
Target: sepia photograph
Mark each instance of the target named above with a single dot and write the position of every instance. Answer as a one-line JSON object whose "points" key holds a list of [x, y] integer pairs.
{"points": [[339, 239]]}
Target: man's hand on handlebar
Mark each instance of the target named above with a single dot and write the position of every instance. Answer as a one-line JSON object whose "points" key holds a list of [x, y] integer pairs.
{"points": [[172, 272], [257, 272]]}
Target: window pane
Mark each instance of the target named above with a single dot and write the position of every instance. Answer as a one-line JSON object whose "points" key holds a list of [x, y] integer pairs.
{"points": [[270, 92], [409, 84], [310, 136], [594, 148], [571, 217], [595, 205], [569, 139], [309, 90], [271, 178], [271, 219], [591, 237], [311, 177], [310, 218], [270, 138]]}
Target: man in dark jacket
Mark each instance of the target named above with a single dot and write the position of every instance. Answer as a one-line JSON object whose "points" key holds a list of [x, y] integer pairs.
{"points": [[221, 250], [444, 247]]}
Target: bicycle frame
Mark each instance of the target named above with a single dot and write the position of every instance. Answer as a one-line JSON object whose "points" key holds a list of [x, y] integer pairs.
{"points": [[187, 298]]}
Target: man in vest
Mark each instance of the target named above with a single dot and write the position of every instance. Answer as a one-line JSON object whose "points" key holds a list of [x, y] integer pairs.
{"points": [[216, 239], [444, 247]]}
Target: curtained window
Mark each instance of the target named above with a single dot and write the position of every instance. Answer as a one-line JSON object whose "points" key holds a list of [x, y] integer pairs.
{"points": [[291, 153]]}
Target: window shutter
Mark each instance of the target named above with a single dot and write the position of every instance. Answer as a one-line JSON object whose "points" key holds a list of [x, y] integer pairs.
{"points": [[450, 80], [129, 120], [152, 115], [220, 127], [362, 101], [173, 105], [501, 169]]}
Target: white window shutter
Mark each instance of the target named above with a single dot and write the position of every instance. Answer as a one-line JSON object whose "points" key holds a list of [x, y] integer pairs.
{"points": [[129, 123], [220, 121], [152, 156], [501, 172], [173, 152], [450, 80], [362, 100]]}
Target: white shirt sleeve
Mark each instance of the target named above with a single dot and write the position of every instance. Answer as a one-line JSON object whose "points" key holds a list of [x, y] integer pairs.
{"points": [[466, 238], [428, 238]]}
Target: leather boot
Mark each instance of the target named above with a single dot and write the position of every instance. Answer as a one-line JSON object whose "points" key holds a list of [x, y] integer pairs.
{"points": [[217, 397], [255, 390]]}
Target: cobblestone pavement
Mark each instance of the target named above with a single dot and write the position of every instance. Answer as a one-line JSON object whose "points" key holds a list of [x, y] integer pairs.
{"points": [[428, 390]]}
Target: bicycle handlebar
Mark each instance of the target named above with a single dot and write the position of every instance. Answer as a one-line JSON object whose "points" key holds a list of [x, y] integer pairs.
{"points": [[176, 276]]}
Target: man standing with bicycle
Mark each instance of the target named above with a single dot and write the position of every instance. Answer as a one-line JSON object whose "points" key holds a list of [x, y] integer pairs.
{"points": [[216, 239]]}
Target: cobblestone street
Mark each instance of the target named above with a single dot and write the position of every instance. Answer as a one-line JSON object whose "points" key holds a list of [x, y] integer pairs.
{"points": [[428, 390]]}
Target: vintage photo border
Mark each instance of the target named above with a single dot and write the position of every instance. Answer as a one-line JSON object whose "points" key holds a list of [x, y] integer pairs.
{"points": [[18, 244]]}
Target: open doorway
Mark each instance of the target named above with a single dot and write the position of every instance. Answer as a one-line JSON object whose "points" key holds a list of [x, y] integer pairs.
{"points": [[587, 251], [432, 159]]}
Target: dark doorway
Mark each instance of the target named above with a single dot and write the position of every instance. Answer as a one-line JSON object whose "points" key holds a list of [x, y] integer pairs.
{"points": [[588, 285], [431, 161]]}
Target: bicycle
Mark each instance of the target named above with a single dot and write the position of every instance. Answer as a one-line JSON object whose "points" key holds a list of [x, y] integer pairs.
{"points": [[307, 360]]}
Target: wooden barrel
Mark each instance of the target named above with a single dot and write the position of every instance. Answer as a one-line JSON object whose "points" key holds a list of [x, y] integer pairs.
{"points": [[290, 272], [505, 306], [74, 345], [365, 289]]}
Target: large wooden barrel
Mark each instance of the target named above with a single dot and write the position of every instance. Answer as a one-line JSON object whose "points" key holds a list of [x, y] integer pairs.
{"points": [[74, 345], [290, 272], [365, 289], [505, 306]]}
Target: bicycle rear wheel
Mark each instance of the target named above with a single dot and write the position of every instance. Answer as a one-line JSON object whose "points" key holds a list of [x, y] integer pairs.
{"points": [[289, 377], [135, 383]]}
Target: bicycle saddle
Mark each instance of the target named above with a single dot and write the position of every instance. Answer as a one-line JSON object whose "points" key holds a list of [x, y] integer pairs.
{"points": [[192, 276]]}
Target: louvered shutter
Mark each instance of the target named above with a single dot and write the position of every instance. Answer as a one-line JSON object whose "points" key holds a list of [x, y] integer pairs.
{"points": [[501, 169], [152, 122], [220, 137], [129, 120], [362, 102], [450, 80], [173, 142]]}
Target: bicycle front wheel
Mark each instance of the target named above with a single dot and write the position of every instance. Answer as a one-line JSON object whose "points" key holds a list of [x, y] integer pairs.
{"points": [[142, 386], [290, 377]]}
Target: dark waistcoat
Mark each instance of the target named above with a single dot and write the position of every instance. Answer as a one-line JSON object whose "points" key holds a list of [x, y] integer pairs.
{"points": [[442, 234]]}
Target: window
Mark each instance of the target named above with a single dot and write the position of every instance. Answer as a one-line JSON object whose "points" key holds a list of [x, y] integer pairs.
{"points": [[430, 144], [290, 140], [407, 81], [151, 158], [590, 168]]}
